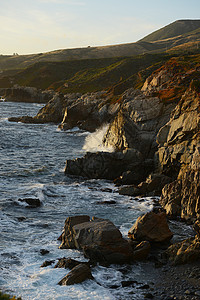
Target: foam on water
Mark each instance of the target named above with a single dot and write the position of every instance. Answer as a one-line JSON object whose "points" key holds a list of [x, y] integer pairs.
{"points": [[94, 141]]}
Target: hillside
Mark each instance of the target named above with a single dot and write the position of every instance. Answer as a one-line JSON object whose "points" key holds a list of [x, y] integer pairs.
{"points": [[178, 33], [174, 29], [86, 75]]}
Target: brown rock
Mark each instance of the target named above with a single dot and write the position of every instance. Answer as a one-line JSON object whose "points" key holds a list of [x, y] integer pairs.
{"points": [[184, 252], [151, 227], [78, 274], [100, 240], [68, 263], [141, 251]]}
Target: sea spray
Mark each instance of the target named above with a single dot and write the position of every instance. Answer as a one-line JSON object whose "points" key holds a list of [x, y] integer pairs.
{"points": [[94, 141]]}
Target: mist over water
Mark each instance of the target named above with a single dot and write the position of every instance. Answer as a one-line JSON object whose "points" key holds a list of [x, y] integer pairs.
{"points": [[94, 141]]}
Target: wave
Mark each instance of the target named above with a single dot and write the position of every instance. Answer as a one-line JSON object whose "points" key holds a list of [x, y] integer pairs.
{"points": [[94, 141]]}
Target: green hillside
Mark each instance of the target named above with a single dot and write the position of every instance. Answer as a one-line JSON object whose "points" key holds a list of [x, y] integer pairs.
{"points": [[85, 75]]}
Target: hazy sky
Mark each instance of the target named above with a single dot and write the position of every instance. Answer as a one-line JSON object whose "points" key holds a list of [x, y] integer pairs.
{"points": [[33, 26]]}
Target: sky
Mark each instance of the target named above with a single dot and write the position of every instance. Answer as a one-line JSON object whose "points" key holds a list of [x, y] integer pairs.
{"points": [[34, 26]]}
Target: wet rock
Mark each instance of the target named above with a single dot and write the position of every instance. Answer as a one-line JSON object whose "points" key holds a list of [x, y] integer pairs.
{"points": [[148, 296], [126, 283], [21, 219], [44, 251], [101, 165], [151, 227], [68, 263], [67, 237], [32, 202], [47, 263], [78, 274], [141, 251], [100, 240], [109, 202]]}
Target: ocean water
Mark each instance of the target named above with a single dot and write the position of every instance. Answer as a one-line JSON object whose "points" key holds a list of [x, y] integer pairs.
{"points": [[32, 161]]}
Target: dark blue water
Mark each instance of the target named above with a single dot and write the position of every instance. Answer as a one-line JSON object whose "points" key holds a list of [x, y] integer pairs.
{"points": [[32, 160]]}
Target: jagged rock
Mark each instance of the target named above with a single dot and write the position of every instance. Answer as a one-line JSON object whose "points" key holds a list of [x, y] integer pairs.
{"points": [[32, 202], [197, 227], [151, 187], [47, 263], [67, 235], [103, 164], [182, 196], [184, 252], [27, 94], [99, 239], [137, 123], [151, 227], [78, 274], [88, 112], [68, 263]]}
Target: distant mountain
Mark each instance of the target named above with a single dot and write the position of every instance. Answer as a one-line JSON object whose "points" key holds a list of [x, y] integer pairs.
{"points": [[175, 29]]}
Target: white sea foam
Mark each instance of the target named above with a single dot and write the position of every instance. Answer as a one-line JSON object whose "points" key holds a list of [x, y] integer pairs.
{"points": [[94, 141]]}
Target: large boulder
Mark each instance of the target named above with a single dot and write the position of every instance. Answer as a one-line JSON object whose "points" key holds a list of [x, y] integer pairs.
{"points": [[99, 239], [151, 227], [106, 165], [78, 274]]}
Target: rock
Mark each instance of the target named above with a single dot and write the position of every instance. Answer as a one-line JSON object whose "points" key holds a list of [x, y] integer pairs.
{"points": [[126, 283], [88, 112], [101, 165], [151, 187], [68, 263], [197, 227], [141, 251], [47, 263], [44, 251], [32, 202], [78, 274], [151, 227], [182, 196], [110, 202], [183, 252], [100, 240], [67, 235], [27, 94]]}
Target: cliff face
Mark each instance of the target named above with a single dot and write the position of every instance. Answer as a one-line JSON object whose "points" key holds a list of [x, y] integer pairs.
{"points": [[179, 157], [167, 129], [137, 123]]}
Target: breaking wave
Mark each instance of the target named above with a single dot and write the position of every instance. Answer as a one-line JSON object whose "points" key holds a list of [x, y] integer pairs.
{"points": [[94, 141]]}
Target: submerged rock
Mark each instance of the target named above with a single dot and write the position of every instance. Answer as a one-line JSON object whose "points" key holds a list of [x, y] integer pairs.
{"points": [[32, 202], [151, 227]]}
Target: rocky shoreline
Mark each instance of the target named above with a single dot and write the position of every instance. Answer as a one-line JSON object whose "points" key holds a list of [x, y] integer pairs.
{"points": [[156, 153]]}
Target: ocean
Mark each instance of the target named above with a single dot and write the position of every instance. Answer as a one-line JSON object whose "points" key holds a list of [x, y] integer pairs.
{"points": [[32, 161]]}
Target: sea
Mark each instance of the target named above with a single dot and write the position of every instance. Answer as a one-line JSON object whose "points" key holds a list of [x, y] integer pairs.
{"points": [[32, 162]]}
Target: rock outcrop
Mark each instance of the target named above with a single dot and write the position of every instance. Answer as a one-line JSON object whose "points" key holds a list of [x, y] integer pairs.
{"points": [[26, 94], [186, 251], [179, 158], [100, 240], [151, 227], [137, 123], [109, 165]]}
